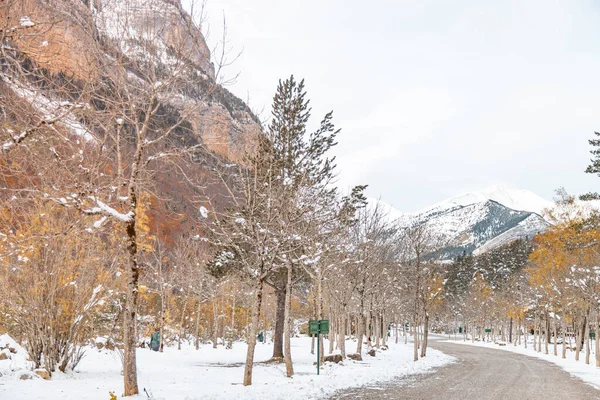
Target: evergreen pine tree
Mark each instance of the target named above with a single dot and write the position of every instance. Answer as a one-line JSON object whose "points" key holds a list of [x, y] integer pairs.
{"points": [[594, 167]]}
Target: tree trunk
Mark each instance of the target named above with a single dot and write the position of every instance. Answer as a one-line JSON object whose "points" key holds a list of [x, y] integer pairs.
{"points": [[332, 328], [540, 335], [359, 326], [232, 334], [280, 292], [535, 332], [596, 345], [369, 330], [425, 336], [129, 316], [287, 329], [215, 322], [162, 319], [181, 325], [564, 340], [555, 329], [587, 343], [416, 341], [377, 331], [577, 340], [416, 314], [313, 337], [320, 313], [547, 336], [525, 330], [359, 335], [258, 296], [384, 331], [198, 323], [343, 336]]}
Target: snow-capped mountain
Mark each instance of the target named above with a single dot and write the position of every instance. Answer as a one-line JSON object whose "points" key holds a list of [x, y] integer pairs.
{"points": [[517, 199], [480, 221]]}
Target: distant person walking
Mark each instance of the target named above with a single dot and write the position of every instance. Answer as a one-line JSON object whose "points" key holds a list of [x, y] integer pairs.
{"points": [[155, 340]]}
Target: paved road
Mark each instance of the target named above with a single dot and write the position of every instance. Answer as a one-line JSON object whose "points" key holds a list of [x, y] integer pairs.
{"points": [[480, 374]]}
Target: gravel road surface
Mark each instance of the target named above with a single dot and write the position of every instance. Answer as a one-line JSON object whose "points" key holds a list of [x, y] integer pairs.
{"points": [[481, 373]]}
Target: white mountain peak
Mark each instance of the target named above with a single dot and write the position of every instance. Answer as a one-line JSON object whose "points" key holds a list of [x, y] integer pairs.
{"points": [[517, 199]]}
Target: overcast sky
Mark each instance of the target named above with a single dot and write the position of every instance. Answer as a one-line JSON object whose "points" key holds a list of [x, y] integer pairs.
{"points": [[434, 98]]}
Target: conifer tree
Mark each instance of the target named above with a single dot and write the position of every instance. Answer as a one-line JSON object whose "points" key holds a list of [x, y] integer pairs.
{"points": [[303, 175], [594, 167], [283, 205]]}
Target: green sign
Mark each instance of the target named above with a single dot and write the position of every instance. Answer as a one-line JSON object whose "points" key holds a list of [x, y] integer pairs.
{"points": [[488, 330], [592, 335], [316, 327], [313, 327]]}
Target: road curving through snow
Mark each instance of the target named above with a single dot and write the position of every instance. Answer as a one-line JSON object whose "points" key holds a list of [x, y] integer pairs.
{"points": [[481, 373]]}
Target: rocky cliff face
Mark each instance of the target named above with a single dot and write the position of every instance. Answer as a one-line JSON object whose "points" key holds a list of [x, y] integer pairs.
{"points": [[163, 24], [79, 38], [80, 42]]}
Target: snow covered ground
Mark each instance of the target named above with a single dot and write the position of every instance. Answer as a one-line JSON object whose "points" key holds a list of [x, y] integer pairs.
{"points": [[216, 374], [587, 373]]}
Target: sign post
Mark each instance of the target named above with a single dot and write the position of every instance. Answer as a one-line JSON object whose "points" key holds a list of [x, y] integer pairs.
{"points": [[319, 353], [488, 330], [316, 327]]}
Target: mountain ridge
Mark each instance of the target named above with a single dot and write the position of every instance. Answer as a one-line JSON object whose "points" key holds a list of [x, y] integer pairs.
{"points": [[478, 221]]}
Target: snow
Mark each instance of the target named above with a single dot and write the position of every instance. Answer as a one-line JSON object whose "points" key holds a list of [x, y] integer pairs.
{"points": [[130, 22], [587, 373], [217, 374], [53, 110], [101, 340], [526, 228], [16, 139], [13, 367], [26, 22], [103, 208], [6, 340], [479, 221], [203, 212], [517, 199], [79, 130], [99, 223]]}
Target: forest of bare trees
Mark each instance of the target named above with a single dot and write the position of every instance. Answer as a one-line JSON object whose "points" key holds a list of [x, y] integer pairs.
{"points": [[85, 157]]}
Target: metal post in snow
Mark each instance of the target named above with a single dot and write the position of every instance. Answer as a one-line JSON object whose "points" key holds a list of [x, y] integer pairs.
{"points": [[318, 353]]}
